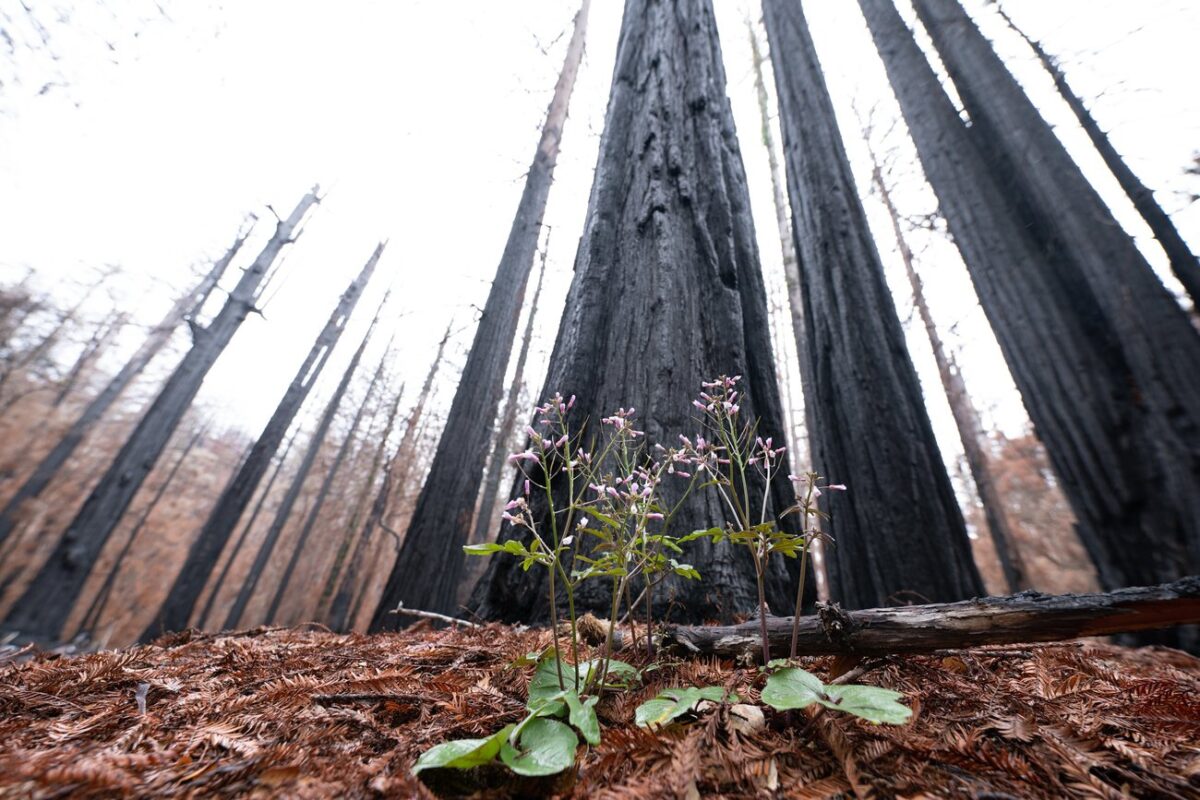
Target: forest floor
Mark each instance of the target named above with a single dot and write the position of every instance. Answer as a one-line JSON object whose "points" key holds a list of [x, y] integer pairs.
{"points": [[306, 713]]}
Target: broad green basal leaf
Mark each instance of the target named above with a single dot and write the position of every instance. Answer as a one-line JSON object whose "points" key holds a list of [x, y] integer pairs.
{"points": [[547, 747], [583, 716], [462, 753], [797, 688], [673, 703]]}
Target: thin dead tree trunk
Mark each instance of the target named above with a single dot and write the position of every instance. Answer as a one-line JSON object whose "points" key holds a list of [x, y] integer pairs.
{"points": [[219, 583], [406, 455], [331, 474], [344, 607], [667, 293], [441, 522], [267, 547], [159, 335], [899, 531], [356, 533], [1067, 360], [966, 417], [99, 341], [43, 608], [499, 457], [1183, 262], [95, 611], [205, 551]]}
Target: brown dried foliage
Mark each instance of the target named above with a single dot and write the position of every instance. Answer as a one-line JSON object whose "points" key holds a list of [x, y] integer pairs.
{"points": [[305, 713]]}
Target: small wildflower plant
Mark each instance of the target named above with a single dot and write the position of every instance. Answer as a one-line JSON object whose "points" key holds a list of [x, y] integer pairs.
{"points": [[603, 510]]}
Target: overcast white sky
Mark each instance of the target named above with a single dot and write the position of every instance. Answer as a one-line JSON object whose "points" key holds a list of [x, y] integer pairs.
{"points": [[419, 119]]}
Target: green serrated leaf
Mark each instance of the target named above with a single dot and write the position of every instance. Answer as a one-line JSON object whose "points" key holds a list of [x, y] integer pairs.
{"points": [[792, 688], [674, 703], [547, 747], [797, 688], [462, 753]]}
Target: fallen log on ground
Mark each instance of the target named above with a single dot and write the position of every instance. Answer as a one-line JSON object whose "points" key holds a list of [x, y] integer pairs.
{"points": [[1014, 619]]}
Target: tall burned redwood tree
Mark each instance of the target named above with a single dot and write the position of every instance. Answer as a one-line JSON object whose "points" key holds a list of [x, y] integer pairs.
{"points": [[267, 547], [667, 293], [1159, 346], [43, 608], [160, 334], [1066, 360], [899, 531], [1183, 262], [441, 522], [206, 550]]}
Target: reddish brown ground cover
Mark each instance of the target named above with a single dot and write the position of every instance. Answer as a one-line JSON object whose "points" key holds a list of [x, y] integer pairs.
{"points": [[303, 713]]}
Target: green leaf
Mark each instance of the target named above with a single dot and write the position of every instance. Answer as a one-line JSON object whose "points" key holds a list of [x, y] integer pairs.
{"points": [[714, 533], [674, 703], [873, 703], [482, 549], [583, 716], [792, 688], [796, 688], [462, 753], [544, 690], [547, 747]]}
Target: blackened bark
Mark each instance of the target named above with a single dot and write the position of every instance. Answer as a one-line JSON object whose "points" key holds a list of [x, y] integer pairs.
{"points": [[1066, 360], [95, 611], [1183, 262], [441, 522], [314, 512], [486, 516], [158, 337], [966, 417], [43, 608], [97, 343], [898, 532], [667, 292], [205, 551], [267, 546], [1160, 347]]}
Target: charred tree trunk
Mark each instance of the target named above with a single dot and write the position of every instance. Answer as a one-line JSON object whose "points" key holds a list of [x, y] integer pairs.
{"points": [[899, 530], [1016, 619], [1066, 359], [43, 608], [219, 582], [667, 293], [331, 474], [205, 551], [441, 523], [356, 533], [50, 466], [99, 341], [267, 547], [1183, 262], [407, 453], [95, 610], [966, 417], [498, 460], [1160, 347]]}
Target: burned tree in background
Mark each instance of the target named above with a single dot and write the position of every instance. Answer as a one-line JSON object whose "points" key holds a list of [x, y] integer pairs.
{"points": [[667, 292], [1066, 360], [1183, 262], [187, 305], [1157, 342], [441, 523], [898, 532], [205, 551], [43, 608], [267, 546]]}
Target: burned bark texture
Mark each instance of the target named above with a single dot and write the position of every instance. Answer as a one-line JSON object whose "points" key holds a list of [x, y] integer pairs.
{"points": [[962, 409], [667, 292], [267, 547], [1101, 432], [1183, 262], [43, 609], [441, 521], [1021, 618], [898, 532], [205, 551], [155, 341]]}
